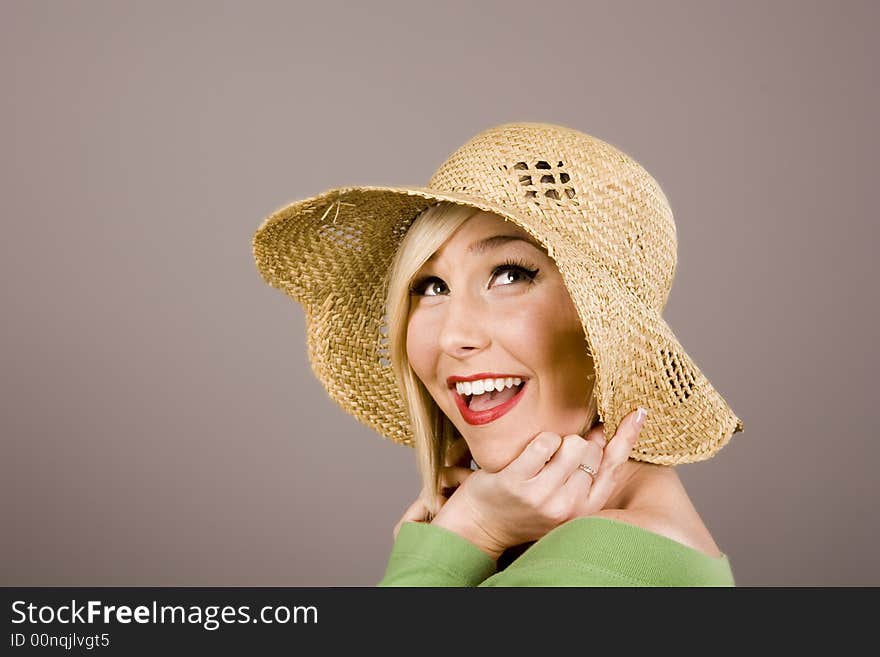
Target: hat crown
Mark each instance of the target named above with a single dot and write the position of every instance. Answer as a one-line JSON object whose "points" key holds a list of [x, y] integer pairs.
{"points": [[591, 195]]}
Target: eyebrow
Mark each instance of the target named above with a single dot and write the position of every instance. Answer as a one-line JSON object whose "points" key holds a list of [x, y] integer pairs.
{"points": [[490, 243]]}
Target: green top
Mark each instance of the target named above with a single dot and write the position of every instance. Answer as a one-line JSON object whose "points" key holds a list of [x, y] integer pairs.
{"points": [[588, 551]]}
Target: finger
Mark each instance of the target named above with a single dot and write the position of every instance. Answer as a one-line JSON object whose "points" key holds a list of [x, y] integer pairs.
{"points": [[532, 459], [574, 451], [597, 434], [416, 512], [616, 453], [578, 486]]}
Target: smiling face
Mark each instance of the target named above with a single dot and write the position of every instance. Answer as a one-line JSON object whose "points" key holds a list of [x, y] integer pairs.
{"points": [[472, 314]]}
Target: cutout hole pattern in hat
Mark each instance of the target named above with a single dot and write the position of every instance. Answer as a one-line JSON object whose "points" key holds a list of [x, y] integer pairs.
{"points": [[549, 185]]}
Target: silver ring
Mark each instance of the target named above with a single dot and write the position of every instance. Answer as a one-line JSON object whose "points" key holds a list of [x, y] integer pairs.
{"points": [[588, 469]]}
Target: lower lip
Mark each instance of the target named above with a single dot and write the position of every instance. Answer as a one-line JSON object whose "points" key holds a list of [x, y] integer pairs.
{"points": [[490, 414]]}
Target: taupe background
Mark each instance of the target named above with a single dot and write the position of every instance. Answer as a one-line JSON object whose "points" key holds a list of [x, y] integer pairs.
{"points": [[160, 423]]}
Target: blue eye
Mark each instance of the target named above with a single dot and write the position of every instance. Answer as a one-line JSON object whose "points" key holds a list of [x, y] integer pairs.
{"points": [[514, 267]]}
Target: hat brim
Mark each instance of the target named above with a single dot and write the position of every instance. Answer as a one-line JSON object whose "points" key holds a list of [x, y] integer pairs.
{"points": [[332, 253]]}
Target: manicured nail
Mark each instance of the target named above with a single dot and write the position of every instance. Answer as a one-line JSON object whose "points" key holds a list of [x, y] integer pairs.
{"points": [[641, 414]]}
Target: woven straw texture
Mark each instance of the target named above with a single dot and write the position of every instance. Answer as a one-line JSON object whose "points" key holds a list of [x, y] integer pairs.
{"points": [[602, 218]]}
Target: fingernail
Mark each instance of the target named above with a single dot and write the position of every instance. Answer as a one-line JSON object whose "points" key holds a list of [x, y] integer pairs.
{"points": [[641, 414]]}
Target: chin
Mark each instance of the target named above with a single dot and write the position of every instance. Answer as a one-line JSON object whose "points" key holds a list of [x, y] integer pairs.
{"points": [[493, 456], [493, 462], [496, 450]]}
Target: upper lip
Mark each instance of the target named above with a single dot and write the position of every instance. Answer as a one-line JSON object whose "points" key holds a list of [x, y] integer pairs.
{"points": [[452, 380]]}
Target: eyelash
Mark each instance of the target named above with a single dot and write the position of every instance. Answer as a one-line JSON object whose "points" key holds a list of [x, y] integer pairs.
{"points": [[511, 263]]}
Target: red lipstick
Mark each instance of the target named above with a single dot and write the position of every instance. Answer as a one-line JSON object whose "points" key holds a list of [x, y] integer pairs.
{"points": [[490, 414]]}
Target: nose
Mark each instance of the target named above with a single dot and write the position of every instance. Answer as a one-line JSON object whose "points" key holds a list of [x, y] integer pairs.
{"points": [[466, 328]]}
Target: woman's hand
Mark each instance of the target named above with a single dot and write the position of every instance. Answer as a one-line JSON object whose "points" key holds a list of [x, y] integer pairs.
{"points": [[452, 475], [540, 489]]}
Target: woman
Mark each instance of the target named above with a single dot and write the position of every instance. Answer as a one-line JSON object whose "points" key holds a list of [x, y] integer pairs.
{"points": [[537, 260]]}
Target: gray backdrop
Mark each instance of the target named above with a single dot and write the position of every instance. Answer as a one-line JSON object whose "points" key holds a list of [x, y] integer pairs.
{"points": [[160, 423]]}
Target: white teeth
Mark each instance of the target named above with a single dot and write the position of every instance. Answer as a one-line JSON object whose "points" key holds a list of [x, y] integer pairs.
{"points": [[486, 385]]}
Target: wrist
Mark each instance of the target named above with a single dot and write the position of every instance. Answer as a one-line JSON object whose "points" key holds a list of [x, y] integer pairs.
{"points": [[452, 520]]}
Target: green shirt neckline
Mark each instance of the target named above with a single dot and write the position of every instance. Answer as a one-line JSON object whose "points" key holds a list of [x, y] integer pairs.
{"points": [[615, 549], [654, 536], [586, 551]]}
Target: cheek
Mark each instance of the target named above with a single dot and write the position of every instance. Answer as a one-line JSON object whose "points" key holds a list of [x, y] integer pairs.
{"points": [[531, 333], [550, 340]]}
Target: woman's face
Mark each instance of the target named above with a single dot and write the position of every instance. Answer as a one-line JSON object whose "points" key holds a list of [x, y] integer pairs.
{"points": [[471, 315]]}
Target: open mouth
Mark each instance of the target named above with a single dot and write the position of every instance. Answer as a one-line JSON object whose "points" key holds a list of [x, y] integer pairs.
{"points": [[491, 399], [484, 407]]}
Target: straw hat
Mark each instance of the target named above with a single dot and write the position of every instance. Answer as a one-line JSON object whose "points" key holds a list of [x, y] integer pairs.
{"points": [[602, 218]]}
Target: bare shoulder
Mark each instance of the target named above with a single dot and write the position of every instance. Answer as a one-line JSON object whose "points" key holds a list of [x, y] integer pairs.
{"points": [[690, 532], [654, 498]]}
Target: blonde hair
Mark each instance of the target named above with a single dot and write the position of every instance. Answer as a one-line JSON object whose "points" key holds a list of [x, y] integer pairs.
{"points": [[433, 431]]}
